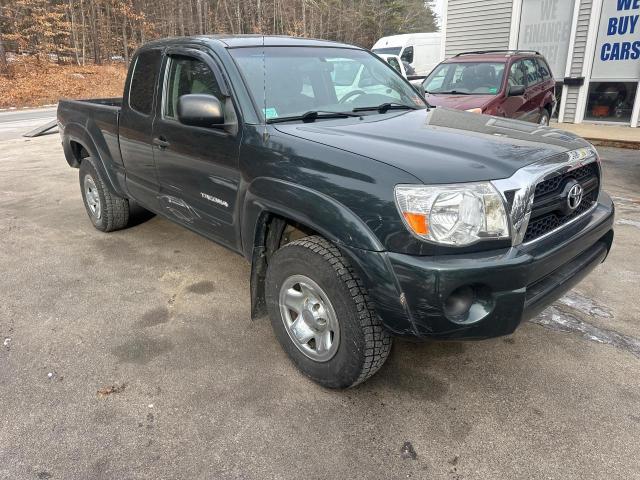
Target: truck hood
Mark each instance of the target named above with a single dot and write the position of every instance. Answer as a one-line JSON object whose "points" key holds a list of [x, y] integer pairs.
{"points": [[441, 145], [459, 102]]}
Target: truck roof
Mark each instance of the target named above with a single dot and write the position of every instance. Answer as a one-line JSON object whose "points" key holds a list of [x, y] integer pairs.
{"points": [[232, 41]]}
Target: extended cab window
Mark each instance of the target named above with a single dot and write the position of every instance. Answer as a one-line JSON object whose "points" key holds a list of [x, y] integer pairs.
{"points": [[143, 81], [186, 75]]}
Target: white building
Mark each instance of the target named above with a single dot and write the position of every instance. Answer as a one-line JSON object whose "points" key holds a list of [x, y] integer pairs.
{"points": [[592, 46]]}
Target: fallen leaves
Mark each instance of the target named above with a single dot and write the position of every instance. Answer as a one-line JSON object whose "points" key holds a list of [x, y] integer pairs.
{"points": [[33, 83]]}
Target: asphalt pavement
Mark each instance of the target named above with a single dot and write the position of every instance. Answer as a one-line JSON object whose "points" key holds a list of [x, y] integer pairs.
{"points": [[132, 355], [15, 123]]}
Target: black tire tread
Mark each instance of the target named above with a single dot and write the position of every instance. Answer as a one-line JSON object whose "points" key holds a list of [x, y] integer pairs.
{"points": [[116, 208], [377, 340]]}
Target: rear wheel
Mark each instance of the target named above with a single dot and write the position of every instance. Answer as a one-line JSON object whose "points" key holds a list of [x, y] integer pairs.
{"points": [[107, 210], [321, 315]]}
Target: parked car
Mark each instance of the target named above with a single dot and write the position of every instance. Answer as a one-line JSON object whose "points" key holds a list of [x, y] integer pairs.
{"points": [[515, 84], [422, 51], [365, 215]]}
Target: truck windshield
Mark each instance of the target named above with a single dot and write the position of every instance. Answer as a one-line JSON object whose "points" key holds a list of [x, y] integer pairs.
{"points": [[291, 81], [477, 78]]}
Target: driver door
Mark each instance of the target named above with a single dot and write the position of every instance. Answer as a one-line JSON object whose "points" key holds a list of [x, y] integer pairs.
{"points": [[197, 167]]}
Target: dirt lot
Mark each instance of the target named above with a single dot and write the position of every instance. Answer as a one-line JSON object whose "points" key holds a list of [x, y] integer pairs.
{"points": [[131, 355]]}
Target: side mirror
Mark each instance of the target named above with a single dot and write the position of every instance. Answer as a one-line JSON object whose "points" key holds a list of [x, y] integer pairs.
{"points": [[200, 110], [516, 90]]}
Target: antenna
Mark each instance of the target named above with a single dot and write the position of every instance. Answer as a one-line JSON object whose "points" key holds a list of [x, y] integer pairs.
{"points": [[264, 90]]}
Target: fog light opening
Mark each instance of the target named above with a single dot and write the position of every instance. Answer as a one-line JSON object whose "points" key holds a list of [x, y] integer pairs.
{"points": [[468, 304], [460, 301]]}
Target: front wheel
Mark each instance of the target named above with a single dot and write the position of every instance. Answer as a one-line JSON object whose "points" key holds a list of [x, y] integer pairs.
{"points": [[321, 315]]}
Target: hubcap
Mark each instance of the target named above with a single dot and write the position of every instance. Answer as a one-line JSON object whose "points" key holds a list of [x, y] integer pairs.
{"points": [[92, 197], [544, 120], [309, 318]]}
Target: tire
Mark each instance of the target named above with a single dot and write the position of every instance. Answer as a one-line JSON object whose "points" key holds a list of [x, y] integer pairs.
{"points": [[107, 210], [544, 118], [359, 345]]}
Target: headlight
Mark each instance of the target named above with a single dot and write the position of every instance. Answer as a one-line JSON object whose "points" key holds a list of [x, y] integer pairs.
{"points": [[474, 110], [458, 214]]}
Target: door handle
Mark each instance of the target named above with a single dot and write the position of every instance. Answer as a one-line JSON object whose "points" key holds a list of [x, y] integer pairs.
{"points": [[161, 142]]}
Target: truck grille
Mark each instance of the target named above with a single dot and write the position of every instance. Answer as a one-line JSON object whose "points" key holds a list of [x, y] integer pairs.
{"points": [[549, 200]]}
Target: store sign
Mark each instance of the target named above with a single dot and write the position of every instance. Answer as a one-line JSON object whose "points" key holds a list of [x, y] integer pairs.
{"points": [[617, 54], [545, 26]]}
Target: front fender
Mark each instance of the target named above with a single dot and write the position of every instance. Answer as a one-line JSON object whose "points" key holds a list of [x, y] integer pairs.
{"points": [[308, 207]]}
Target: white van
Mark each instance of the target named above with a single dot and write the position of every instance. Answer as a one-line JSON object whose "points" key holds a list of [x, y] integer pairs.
{"points": [[421, 50]]}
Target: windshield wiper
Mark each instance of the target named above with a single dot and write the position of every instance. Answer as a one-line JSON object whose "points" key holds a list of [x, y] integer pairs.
{"points": [[313, 115], [452, 92], [384, 107]]}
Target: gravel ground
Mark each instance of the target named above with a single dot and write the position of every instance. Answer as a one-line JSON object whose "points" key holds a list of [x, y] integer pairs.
{"points": [[132, 355]]}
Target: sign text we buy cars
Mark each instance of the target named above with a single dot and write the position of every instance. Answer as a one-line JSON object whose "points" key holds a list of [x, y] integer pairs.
{"points": [[618, 40]]}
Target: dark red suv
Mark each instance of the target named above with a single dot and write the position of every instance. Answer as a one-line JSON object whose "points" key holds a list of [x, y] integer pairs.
{"points": [[507, 83]]}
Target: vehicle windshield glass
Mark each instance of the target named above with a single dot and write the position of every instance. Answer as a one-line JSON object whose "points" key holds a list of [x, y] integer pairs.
{"points": [[388, 50], [290, 81], [478, 78]]}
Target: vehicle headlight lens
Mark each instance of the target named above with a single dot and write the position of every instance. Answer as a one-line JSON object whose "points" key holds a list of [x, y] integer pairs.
{"points": [[458, 214], [474, 110]]}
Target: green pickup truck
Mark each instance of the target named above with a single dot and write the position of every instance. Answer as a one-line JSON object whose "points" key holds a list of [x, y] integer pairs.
{"points": [[365, 213]]}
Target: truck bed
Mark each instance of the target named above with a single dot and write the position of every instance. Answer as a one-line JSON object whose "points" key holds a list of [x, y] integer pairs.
{"points": [[99, 117]]}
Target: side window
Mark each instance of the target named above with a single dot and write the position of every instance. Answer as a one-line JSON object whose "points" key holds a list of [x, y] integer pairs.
{"points": [[143, 81], [544, 69], [532, 71], [186, 75], [516, 74], [407, 55]]}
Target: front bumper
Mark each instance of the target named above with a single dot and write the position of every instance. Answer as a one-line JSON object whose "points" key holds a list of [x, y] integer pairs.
{"points": [[409, 292]]}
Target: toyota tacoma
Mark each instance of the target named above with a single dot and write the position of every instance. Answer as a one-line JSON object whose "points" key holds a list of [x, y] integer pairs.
{"points": [[366, 214]]}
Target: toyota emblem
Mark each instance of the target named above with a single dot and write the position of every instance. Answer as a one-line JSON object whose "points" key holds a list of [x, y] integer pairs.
{"points": [[574, 197]]}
